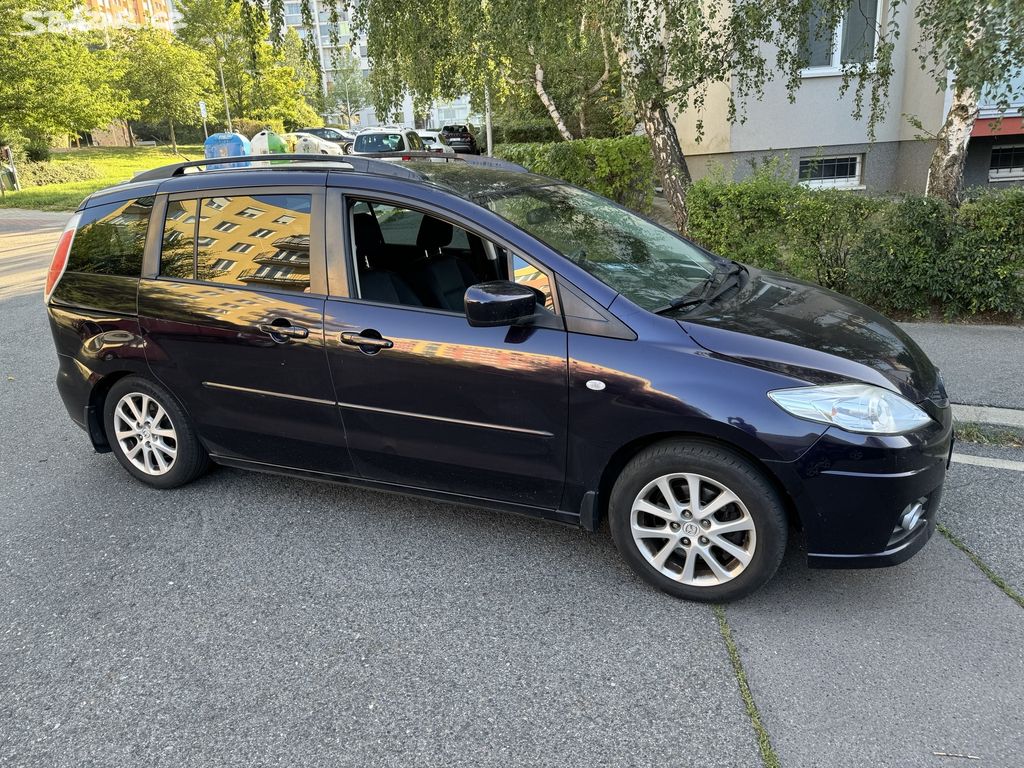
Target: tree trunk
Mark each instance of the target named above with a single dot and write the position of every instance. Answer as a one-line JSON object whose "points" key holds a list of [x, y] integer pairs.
{"points": [[174, 142], [946, 171], [545, 98], [596, 87], [669, 160]]}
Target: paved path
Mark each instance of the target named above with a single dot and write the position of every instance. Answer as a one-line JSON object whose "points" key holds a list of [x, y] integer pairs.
{"points": [[27, 240], [981, 364]]}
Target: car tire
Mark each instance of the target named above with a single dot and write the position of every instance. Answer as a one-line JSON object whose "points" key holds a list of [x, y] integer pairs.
{"points": [[151, 435], [725, 549]]}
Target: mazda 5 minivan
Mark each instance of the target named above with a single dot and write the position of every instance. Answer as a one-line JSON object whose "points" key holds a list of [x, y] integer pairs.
{"points": [[467, 331]]}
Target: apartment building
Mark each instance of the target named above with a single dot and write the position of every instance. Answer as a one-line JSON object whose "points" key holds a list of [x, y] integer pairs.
{"points": [[120, 13], [817, 137], [354, 46]]}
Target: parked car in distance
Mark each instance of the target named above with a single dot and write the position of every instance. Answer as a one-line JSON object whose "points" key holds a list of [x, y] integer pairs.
{"points": [[460, 329], [434, 141], [308, 144], [337, 135], [461, 137], [386, 139]]}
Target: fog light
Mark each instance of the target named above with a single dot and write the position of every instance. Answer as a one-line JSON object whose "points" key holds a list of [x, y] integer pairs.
{"points": [[912, 516]]}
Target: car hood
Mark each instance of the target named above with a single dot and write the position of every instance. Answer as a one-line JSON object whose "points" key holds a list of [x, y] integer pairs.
{"points": [[814, 334]]}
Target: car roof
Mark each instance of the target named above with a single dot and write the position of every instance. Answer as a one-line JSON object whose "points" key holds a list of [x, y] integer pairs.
{"points": [[472, 178]]}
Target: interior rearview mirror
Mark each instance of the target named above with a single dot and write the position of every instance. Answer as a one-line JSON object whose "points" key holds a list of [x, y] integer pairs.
{"points": [[499, 302]]}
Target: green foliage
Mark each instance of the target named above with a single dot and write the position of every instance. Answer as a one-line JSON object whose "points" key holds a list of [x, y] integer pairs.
{"points": [[507, 132], [250, 128], [984, 269], [911, 255], [33, 174], [620, 169], [895, 266], [747, 220]]}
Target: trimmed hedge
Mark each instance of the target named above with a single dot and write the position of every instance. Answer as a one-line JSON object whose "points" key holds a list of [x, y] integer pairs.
{"points": [[56, 172], [910, 255], [622, 168]]}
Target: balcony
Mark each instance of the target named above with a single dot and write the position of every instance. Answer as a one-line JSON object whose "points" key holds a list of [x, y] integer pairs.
{"points": [[291, 280]]}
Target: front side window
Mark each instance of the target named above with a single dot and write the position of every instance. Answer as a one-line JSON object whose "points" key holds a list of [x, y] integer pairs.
{"points": [[111, 238], [277, 259], [649, 265], [405, 257], [851, 42]]}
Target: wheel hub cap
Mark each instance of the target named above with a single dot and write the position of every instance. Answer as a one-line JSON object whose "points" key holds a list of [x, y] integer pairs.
{"points": [[693, 529], [145, 433]]}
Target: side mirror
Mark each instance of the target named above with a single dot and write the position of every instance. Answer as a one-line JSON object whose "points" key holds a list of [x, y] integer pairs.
{"points": [[500, 302]]}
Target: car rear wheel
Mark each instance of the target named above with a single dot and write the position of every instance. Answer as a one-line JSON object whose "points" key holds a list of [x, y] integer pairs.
{"points": [[151, 435], [698, 521]]}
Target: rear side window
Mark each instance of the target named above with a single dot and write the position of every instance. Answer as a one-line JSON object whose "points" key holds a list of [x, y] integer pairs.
{"points": [[247, 241], [111, 238]]}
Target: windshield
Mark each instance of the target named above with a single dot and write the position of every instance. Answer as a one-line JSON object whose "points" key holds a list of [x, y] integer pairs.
{"points": [[647, 264], [378, 142]]}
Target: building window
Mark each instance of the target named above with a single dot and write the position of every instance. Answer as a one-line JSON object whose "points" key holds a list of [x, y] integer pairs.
{"points": [[1007, 163], [831, 171], [284, 219], [250, 212], [852, 42], [226, 226], [261, 232], [222, 265], [217, 203], [240, 248], [206, 241]]}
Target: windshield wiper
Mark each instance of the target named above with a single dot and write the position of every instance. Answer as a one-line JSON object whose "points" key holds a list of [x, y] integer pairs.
{"points": [[726, 275]]}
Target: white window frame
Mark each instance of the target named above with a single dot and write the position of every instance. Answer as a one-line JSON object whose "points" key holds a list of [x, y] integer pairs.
{"points": [[1009, 174], [836, 66], [846, 183]]}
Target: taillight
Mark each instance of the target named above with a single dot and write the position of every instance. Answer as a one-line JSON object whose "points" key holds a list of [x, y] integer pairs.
{"points": [[60, 257]]}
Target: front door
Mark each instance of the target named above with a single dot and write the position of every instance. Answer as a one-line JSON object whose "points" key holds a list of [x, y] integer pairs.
{"points": [[233, 324], [428, 401]]}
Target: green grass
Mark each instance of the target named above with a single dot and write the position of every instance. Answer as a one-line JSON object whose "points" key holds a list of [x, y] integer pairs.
{"points": [[764, 742], [116, 164], [987, 434]]}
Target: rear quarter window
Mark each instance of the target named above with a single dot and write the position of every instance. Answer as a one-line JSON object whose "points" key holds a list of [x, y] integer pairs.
{"points": [[111, 238]]}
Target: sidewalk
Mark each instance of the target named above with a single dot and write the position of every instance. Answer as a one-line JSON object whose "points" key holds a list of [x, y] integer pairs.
{"points": [[27, 240], [983, 365]]}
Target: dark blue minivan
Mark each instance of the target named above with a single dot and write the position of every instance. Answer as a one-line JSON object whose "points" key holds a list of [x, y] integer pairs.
{"points": [[464, 330]]}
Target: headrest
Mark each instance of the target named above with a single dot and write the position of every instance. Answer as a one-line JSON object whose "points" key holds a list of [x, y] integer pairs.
{"points": [[434, 233], [367, 235]]}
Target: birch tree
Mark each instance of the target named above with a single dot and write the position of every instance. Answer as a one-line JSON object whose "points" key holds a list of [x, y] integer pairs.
{"points": [[973, 48]]}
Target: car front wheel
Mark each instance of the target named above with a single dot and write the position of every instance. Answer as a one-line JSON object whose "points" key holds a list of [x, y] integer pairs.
{"points": [[151, 435], [698, 521]]}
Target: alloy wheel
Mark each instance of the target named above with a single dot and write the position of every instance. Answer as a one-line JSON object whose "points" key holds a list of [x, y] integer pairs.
{"points": [[145, 433], [693, 529]]}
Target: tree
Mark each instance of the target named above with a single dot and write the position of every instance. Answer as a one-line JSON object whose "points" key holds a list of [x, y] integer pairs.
{"points": [[348, 91], [167, 78], [53, 84], [981, 44]]}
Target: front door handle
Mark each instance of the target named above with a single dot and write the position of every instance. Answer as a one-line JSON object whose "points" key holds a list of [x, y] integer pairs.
{"points": [[282, 331], [369, 344]]}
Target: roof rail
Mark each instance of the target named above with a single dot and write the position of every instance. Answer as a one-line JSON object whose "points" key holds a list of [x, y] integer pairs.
{"points": [[345, 162], [482, 161]]}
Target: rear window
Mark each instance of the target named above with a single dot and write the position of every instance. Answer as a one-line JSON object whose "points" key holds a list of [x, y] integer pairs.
{"points": [[455, 129], [379, 142], [111, 238]]}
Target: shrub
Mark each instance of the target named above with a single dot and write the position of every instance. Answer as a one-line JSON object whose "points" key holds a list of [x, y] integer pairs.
{"points": [[746, 220], [894, 268], [521, 133], [621, 169], [56, 172], [983, 270], [250, 128]]}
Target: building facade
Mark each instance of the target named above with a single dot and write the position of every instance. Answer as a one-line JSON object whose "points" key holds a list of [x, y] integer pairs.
{"points": [[354, 45], [132, 13], [817, 137]]}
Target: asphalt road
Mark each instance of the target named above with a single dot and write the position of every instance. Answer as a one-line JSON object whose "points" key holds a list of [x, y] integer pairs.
{"points": [[255, 620]]}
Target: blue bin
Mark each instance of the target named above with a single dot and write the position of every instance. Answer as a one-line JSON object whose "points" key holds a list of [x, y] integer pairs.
{"points": [[227, 145]]}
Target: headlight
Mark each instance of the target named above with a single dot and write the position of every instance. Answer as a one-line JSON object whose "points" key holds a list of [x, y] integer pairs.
{"points": [[854, 407]]}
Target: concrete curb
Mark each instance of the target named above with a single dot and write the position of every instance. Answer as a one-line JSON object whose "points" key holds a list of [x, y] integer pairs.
{"points": [[1004, 417]]}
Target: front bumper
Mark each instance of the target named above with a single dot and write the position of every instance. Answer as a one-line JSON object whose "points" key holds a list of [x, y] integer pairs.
{"points": [[851, 492]]}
